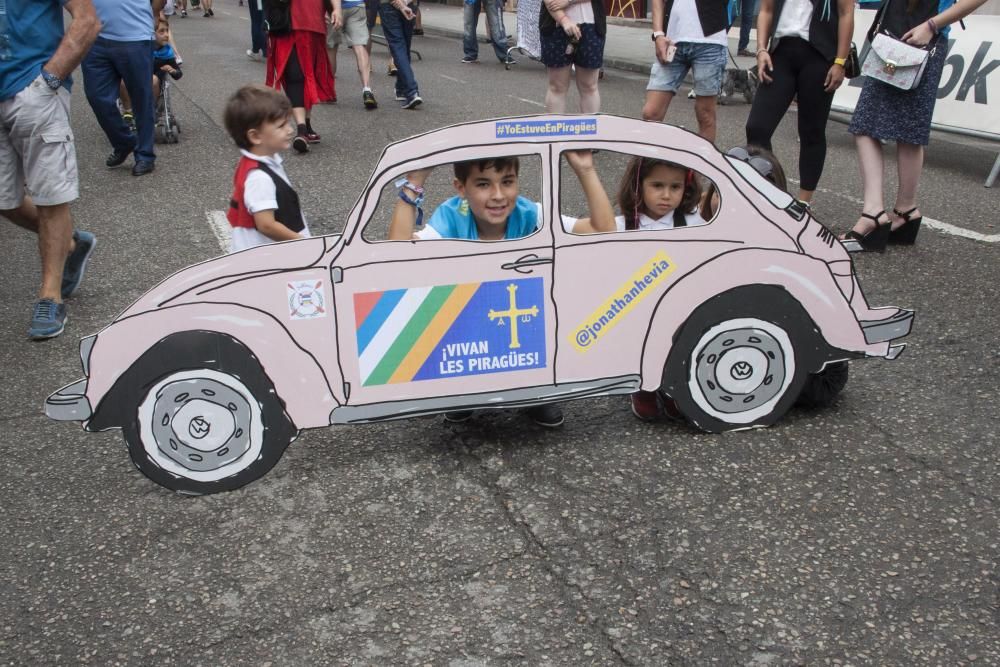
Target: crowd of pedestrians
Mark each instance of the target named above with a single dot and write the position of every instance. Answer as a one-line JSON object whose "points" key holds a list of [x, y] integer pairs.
{"points": [[124, 49]]}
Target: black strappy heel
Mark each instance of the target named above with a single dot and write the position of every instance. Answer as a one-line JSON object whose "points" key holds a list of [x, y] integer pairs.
{"points": [[906, 233], [873, 241]]}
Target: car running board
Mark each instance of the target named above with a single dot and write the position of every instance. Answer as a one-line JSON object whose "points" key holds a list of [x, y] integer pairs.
{"points": [[514, 398]]}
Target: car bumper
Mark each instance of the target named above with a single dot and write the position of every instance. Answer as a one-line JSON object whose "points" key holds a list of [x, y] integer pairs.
{"points": [[889, 329], [69, 404]]}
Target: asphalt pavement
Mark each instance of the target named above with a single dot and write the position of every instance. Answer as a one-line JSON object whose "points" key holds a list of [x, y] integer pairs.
{"points": [[862, 533]]}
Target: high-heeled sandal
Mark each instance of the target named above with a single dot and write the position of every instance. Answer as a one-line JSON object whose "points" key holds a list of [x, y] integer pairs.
{"points": [[873, 241], [906, 233]]}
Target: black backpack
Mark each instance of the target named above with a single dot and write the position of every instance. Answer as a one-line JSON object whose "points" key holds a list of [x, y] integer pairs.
{"points": [[278, 16]]}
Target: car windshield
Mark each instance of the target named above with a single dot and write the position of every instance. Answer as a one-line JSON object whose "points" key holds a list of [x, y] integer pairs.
{"points": [[775, 195]]}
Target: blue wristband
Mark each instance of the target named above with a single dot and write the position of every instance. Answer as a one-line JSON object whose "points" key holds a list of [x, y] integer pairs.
{"points": [[416, 204]]}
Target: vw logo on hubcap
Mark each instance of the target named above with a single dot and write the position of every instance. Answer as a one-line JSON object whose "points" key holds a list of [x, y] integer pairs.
{"points": [[199, 428], [741, 370]]}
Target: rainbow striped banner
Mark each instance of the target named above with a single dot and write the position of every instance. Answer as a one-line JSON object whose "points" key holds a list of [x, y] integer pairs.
{"points": [[428, 333]]}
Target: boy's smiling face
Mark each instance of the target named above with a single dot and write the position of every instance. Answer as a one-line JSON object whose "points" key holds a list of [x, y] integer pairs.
{"points": [[491, 195]]}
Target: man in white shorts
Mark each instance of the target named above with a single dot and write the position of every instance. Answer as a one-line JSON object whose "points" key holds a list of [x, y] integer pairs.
{"points": [[688, 35], [353, 31], [38, 176]]}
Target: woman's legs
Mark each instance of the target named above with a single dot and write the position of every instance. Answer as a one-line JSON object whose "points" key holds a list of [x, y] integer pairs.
{"points": [[586, 85], [555, 96], [295, 82], [870, 164], [909, 165], [814, 110]]}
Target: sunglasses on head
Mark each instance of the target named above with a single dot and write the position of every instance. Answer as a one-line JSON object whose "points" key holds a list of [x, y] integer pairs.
{"points": [[762, 165]]}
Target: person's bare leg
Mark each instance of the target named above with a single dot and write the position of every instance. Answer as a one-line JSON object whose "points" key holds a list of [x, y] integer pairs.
{"points": [[909, 166], [704, 111], [656, 105], [364, 65], [299, 114], [555, 95], [586, 86], [55, 238], [870, 164], [806, 196], [332, 57], [123, 96]]}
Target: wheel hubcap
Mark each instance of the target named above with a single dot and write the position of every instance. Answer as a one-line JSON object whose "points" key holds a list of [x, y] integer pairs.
{"points": [[201, 424], [741, 369]]}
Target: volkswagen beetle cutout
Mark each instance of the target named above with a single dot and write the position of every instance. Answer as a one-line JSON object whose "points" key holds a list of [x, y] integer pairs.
{"points": [[215, 370]]}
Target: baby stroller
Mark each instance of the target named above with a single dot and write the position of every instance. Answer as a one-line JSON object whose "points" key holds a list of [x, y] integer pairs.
{"points": [[529, 40], [168, 128]]}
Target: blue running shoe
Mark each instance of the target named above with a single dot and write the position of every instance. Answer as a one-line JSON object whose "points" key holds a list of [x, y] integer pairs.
{"points": [[76, 263], [47, 320]]}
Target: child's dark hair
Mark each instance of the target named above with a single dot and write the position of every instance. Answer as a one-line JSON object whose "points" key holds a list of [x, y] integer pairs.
{"points": [[630, 190], [501, 164], [250, 107], [766, 164]]}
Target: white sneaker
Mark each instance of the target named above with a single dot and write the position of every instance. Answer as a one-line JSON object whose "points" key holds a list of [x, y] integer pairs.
{"points": [[253, 56]]}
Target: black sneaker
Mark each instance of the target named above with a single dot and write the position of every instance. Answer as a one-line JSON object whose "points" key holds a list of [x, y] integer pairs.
{"points": [[468, 61], [412, 102], [548, 415], [458, 416], [76, 263], [369, 98], [118, 156], [300, 144]]}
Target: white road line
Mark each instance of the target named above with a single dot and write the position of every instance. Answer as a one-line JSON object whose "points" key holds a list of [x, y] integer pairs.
{"points": [[943, 227], [451, 78], [532, 102], [220, 228]]}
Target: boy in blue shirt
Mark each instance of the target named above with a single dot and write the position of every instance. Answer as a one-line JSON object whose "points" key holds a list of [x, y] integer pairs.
{"points": [[489, 207]]}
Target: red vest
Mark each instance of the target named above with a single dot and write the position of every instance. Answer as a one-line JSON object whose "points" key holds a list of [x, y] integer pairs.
{"points": [[238, 215]]}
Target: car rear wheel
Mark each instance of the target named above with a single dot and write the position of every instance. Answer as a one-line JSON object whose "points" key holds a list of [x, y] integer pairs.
{"points": [[203, 430], [739, 360]]}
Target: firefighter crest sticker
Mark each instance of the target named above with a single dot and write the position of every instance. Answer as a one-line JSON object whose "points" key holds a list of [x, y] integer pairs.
{"points": [[306, 300]]}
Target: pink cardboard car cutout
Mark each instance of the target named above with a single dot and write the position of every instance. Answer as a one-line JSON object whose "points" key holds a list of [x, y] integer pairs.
{"points": [[213, 372]]}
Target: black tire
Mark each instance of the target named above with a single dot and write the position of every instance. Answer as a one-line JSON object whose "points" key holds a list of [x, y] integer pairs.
{"points": [[211, 422], [822, 388], [741, 359]]}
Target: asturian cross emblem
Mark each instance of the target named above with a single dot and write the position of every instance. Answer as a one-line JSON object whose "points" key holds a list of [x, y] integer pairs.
{"points": [[512, 313]]}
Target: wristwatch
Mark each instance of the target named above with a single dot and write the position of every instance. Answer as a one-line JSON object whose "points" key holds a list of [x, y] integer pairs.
{"points": [[840, 61], [51, 80], [658, 33]]}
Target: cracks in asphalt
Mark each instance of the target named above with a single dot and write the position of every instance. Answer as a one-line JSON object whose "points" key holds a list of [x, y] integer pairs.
{"points": [[571, 592]]}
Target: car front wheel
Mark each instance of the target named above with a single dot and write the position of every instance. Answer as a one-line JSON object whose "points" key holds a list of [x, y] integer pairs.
{"points": [[202, 430]]}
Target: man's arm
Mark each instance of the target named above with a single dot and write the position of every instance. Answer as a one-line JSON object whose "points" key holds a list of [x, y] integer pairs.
{"points": [[157, 7], [82, 32]]}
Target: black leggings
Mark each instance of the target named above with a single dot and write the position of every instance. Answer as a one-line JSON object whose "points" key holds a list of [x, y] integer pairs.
{"points": [[295, 81], [799, 70]]}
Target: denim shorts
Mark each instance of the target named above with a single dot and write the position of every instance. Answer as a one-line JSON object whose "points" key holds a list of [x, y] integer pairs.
{"points": [[706, 61], [588, 54]]}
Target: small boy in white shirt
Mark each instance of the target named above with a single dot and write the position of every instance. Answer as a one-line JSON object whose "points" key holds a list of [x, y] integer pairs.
{"points": [[264, 207]]}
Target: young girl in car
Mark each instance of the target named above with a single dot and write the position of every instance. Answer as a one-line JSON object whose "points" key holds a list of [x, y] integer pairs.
{"points": [[655, 195]]}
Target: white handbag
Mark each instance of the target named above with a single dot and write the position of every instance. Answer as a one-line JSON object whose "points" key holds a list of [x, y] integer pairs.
{"points": [[894, 62]]}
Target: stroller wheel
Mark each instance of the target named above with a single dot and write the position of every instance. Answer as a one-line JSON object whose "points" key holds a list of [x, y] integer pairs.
{"points": [[160, 134]]}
